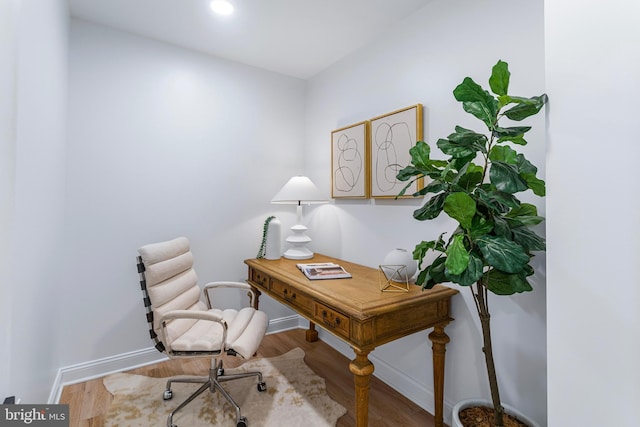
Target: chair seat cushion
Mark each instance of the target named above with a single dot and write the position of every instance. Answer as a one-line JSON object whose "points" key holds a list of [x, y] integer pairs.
{"points": [[246, 328]]}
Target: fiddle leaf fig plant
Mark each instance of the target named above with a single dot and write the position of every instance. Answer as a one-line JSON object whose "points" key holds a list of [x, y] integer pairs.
{"points": [[491, 248]]}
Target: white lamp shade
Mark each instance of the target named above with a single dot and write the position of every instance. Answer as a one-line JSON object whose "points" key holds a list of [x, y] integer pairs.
{"points": [[299, 189]]}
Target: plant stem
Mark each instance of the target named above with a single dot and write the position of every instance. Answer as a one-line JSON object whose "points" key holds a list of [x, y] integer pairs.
{"points": [[482, 305]]}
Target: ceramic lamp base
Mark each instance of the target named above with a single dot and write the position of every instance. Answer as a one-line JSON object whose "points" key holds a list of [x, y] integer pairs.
{"points": [[298, 241]]}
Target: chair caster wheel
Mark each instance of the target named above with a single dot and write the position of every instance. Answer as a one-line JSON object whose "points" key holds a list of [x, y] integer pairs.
{"points": [[262, 386], [167, 395], [242, 422]]}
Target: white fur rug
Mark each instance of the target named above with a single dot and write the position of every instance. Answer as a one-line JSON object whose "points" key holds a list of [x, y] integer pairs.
{"points": [[295, 397]]}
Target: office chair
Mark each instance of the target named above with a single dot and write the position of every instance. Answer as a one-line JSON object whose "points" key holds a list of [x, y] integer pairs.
{"points": [[183, 322]]}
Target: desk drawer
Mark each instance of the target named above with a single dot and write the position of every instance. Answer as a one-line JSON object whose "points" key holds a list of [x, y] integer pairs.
{"points": [[331, 319], [292, 295], [259, 278]]}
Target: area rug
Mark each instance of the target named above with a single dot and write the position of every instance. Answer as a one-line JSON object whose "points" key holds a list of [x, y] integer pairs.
{"points": [[295, 396]]}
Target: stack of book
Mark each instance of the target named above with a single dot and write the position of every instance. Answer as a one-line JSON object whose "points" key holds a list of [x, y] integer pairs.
{"points": [[323, 270]]}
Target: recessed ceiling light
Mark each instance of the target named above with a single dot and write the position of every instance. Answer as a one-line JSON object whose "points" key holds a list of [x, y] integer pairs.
{"points": [[221, 7]]}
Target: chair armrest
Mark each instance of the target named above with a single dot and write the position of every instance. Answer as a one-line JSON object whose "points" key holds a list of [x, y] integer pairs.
{"points": [[190, 314], [211, 286]]}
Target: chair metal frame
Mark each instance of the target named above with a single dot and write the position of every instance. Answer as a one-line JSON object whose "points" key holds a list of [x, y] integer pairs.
{"points": [[213, 381]]}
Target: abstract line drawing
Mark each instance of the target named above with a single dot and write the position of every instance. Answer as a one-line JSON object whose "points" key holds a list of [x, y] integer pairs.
{"points": [[392, 136], [350, 164], [389, 141], [349, 161]]}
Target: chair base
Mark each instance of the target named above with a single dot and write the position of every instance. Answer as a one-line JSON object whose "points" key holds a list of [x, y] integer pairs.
{"points": [[213, 383]]}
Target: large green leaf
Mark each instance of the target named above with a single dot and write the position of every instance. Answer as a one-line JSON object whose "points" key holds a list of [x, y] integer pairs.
{"points": [[477, 101], [524, 209], [468, 137], [501, 227], [516, 139], [470, 91], [420, 155], [535, 184], [501, 283], [457, 256], [503, 254], [503, 153], [487, 197], [528, 239], [513, 131], [501, 200], [470, 177], [526, 107], [499, 80], [448, 174], [432, 187], [462, 163], [525, 166], [461, 207], [423, 247], [526, 214], [480, 226], [432, 274], [482, 111], [471, 274], [431, 209], [528, 173], [505, 177], [408, 172], [456, 150]]}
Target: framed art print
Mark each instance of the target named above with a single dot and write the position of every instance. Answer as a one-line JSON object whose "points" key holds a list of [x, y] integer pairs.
{"points": [[349, 161], [392, 135]]}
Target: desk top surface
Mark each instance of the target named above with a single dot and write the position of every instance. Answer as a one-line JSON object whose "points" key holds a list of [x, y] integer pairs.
{"points": [[359, 296]]}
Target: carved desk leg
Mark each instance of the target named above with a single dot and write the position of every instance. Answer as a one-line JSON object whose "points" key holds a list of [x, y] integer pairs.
{"points": [[362, 368], [312, 334], [439, 342]]}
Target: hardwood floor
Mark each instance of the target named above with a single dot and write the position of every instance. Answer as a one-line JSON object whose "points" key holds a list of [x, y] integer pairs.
{"points": [[88, 401]]}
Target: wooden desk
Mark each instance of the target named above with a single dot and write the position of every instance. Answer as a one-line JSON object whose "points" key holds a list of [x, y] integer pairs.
{"points": [[357, 312]]}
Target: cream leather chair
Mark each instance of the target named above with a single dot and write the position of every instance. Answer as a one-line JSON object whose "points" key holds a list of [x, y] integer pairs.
{"points": [[183, 322]]}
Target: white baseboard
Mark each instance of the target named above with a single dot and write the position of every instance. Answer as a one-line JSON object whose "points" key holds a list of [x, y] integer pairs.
{"points": [[284, 324], [99, 368], [400, 381]]}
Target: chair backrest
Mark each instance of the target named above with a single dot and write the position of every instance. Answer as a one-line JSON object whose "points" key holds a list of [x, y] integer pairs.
{"points": [[168, 282]]}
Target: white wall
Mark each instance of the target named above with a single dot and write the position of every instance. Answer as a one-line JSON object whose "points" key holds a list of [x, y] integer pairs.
{"points": [[36, 196], [9, 25], [163, 142], [592, 69], [421, 61], [593, 231]]}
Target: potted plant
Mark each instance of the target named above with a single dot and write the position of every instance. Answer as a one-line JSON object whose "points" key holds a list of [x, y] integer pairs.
{"points": [[491, 248]]}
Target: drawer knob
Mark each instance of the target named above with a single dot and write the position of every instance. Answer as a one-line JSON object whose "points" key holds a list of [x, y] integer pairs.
{"points": [[286, 294]]}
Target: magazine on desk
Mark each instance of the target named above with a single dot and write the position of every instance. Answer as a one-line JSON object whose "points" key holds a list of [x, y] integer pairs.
{"points": [[323, 270]]}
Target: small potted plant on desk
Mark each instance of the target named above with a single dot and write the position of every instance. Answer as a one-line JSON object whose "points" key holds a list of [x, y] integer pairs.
{"points": [[491, 248]]}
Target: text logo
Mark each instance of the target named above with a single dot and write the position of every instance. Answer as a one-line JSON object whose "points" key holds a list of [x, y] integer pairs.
{"points": [[34, 415]]}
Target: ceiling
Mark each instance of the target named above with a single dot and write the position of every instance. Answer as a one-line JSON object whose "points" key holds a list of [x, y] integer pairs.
{"points": [[294, 37]]}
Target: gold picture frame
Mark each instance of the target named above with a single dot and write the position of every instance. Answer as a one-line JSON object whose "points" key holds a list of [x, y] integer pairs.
{"points": [[350, 162], [391, 137]]}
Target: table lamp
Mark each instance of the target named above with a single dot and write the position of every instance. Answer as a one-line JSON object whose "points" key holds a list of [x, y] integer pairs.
{"points": [[296, 191]]}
